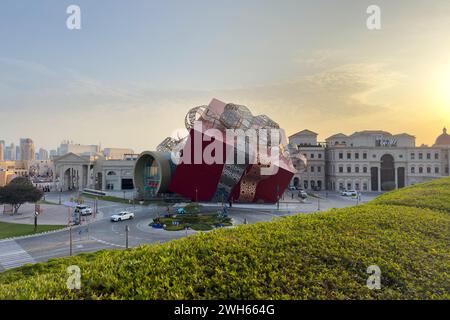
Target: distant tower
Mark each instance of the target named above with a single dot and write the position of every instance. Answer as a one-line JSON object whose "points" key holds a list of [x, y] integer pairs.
{"points": [[18, 153], [13, 152], [27, 150], [2, 150]]}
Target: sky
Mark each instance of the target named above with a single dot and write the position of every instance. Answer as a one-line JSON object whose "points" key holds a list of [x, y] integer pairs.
{"points": [[128, 77]]}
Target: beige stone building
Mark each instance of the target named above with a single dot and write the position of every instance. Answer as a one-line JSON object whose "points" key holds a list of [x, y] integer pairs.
{"points": [[75, 172], [372, 160], [313, 178]]}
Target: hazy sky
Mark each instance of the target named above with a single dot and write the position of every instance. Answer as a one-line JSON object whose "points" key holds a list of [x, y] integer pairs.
{"points": [[128, 77]]}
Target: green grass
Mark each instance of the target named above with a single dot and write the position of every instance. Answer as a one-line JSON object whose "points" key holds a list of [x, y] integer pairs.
{"points": [[432, 195], [8, 230], [199, 222], [47, 202], [317, 256]]}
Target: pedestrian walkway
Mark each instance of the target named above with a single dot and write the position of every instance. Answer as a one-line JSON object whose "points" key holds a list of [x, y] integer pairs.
{"points": [[12, 255]]}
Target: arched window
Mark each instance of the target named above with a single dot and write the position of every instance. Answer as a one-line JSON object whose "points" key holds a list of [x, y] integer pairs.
{"points": [[111, 173]]}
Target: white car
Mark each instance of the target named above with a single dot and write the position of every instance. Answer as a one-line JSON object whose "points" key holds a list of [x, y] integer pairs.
{"points": [[303, 194], [349, 193], [124, 215], [83, 210]]}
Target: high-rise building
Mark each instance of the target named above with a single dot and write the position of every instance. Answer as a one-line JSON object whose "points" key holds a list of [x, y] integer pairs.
{"points": [[18, 153], [2, 150], [10, 152], [53, 153], [43, 154], [27, 149]]}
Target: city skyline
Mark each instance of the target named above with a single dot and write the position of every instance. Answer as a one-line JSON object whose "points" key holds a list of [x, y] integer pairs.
{"points": [[122, 77]]}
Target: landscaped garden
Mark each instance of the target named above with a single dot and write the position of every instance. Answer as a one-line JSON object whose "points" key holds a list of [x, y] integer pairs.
{"points": [[316, 256], [190, 217]]}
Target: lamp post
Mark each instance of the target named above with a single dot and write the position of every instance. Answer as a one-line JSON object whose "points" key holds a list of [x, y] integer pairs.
{"points": [[70, 240], [127, 229], [36, 213], [278, 197]]}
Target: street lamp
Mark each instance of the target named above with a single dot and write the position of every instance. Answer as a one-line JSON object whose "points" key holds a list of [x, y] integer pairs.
{"points": [[278, 197], [127, 229]]}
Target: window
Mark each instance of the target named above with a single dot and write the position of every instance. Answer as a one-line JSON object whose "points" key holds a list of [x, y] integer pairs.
{"points": [[357, 155], [313, 183], [446, 170], [428, 156], [364, 155], [357, 169], [312, 155], [420, 170], [341, 169], [305, 184], [341, 186], [365, 186], [413, 156], [349, 156], [349, 169], [436, 170], [365, 169], [356, 186], [341, 155], [413, 170], [320, 156], [428, 169], [420, 156], [436, 156], [319, 169], [312, 168], [349, 185]]}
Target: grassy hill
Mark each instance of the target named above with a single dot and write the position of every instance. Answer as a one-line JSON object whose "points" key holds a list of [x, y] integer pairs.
{"points": [[317, 256], [433, 195]]}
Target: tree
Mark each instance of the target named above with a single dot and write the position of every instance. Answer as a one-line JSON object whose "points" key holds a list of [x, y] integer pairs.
{"points": [[19, 191]]}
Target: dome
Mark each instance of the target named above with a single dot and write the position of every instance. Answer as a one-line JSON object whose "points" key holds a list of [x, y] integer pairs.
{"points": [[443, 139]]}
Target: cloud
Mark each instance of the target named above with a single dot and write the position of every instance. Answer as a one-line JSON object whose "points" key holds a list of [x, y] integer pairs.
{"points": [[87, 109]]}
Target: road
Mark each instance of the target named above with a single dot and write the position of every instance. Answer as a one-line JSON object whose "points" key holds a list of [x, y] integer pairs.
{"points": [[101, 233]]}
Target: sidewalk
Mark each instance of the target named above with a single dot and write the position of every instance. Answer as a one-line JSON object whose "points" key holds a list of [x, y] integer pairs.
{"points": [[50, 215]]}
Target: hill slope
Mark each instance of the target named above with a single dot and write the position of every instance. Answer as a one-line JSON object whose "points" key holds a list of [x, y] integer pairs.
{"points": [[317, 256], [433, 195]]}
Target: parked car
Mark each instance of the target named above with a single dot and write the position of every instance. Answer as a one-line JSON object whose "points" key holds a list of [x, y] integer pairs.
{"points": [[349, 193], [124, 215], [83, 210], [292, 188], [302, 194]]}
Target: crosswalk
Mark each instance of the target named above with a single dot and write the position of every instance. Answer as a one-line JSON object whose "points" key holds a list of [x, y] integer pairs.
{"points": [[12, 255]]}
